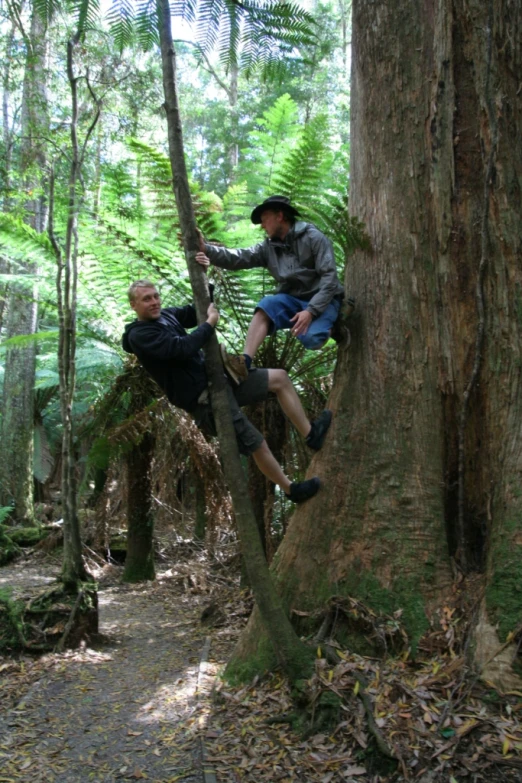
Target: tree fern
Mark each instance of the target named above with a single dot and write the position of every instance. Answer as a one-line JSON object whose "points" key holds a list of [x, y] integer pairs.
{"points": [[258, 33], [18, 241], [122, 20], [279, 128], [86, 14], [301, 173]]}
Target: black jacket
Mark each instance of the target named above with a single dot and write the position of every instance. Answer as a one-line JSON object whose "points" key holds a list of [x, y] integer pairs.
{"points": [[170, 355]]}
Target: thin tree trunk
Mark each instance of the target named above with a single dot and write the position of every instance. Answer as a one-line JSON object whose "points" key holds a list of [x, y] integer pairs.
{"points": [[290, 652], [139, 562], [200, 526], [66, 286]]}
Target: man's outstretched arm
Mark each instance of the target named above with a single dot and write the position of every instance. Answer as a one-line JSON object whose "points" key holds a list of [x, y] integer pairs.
{"points": [[160, 343], [241, 258]]}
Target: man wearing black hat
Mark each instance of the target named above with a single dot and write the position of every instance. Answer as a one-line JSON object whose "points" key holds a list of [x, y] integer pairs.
{"points": [[301, 259]]}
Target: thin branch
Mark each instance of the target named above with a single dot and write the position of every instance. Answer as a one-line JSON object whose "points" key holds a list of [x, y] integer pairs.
{"points": [[93, 123], [15, 16], [209, 68]]}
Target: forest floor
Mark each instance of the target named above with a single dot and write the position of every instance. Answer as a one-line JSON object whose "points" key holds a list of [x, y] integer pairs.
{"points": [[145, 701]]}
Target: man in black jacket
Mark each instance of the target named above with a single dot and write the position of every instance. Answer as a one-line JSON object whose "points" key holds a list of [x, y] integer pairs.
{"points": [[175, 360]]}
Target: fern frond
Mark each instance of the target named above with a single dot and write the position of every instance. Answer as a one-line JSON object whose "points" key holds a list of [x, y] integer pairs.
{"points": [[18, 241], [185, 9], [21, 340], [272, 30], [86, 13], [46, 9], [147, 24], [121, 22], [209, 22], [304, 168]]}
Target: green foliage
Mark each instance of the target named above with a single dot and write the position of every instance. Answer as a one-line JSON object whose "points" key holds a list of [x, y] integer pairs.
{"points": [[256, 34], [27, 536], [20, 243], [8, 548], [504, 590], [4, 513]]}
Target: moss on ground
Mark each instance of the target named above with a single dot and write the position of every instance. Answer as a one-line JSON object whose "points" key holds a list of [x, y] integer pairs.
{"points": [[8, 548], [11, 622], [263, 660], [504, 590], [27, 536]]}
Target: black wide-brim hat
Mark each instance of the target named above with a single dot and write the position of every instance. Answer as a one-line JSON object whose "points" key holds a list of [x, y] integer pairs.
{"points": [[274, 203]]}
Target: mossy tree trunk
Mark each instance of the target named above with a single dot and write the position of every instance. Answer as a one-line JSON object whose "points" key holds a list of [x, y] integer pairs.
{"points": [[289, 651], [424, 460], [139, 562], [16, 460]]}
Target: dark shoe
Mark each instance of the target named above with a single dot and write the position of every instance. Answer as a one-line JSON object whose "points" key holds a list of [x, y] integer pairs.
{"points": [[303, 490], [234, 365], [320, 427]]}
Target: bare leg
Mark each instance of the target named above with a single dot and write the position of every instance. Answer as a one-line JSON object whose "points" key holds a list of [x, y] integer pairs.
{"points": [[280, 383], [257, 331], [270, 467]]}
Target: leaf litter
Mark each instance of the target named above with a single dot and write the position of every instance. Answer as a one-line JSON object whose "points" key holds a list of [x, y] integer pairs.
{"points": [[144, 705]]}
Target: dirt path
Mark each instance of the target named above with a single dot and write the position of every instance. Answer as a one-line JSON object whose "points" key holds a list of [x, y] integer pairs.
{"points": [[126, 710]]}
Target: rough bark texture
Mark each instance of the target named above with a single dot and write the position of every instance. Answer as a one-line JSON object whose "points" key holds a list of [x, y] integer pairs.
{"points": [[139, 563], [289, 651], [423, 463], [16, 461]]}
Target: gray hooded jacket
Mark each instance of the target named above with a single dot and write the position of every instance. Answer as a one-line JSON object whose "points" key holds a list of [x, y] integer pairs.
{"points": [[303, 264]]}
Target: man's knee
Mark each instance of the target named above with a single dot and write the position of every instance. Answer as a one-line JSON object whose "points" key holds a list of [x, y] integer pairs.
{"points": [[314, 341], [261, 316], [278, 379]]}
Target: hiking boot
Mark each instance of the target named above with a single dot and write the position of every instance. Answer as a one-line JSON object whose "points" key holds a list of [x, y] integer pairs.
{"points": [[234, 365], [303, 490], [320, 426]]}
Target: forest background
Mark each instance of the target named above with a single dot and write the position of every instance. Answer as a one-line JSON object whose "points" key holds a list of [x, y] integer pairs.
{"points": [[418, 540], [282, 129]]}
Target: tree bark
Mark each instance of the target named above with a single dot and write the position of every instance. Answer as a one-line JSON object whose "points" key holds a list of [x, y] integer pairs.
{"points": [[289, 651], [424, 459], [139, 562], [16, 461]]}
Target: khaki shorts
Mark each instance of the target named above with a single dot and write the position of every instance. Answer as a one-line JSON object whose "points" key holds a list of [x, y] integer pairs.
{"points": [[254, 389]]}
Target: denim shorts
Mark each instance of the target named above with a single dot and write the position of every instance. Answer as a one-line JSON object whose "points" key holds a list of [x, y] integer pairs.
{"points": [[281, 307], [253, 389]]}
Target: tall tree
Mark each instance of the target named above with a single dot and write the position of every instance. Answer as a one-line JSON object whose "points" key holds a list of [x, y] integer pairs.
{"points": [[289, 650], [16, 460], [423, 465], [66, 287]]}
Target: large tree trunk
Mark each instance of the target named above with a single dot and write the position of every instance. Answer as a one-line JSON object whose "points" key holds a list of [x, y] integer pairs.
{"points": [[423, 463], [291, 654], [16, 460]]}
